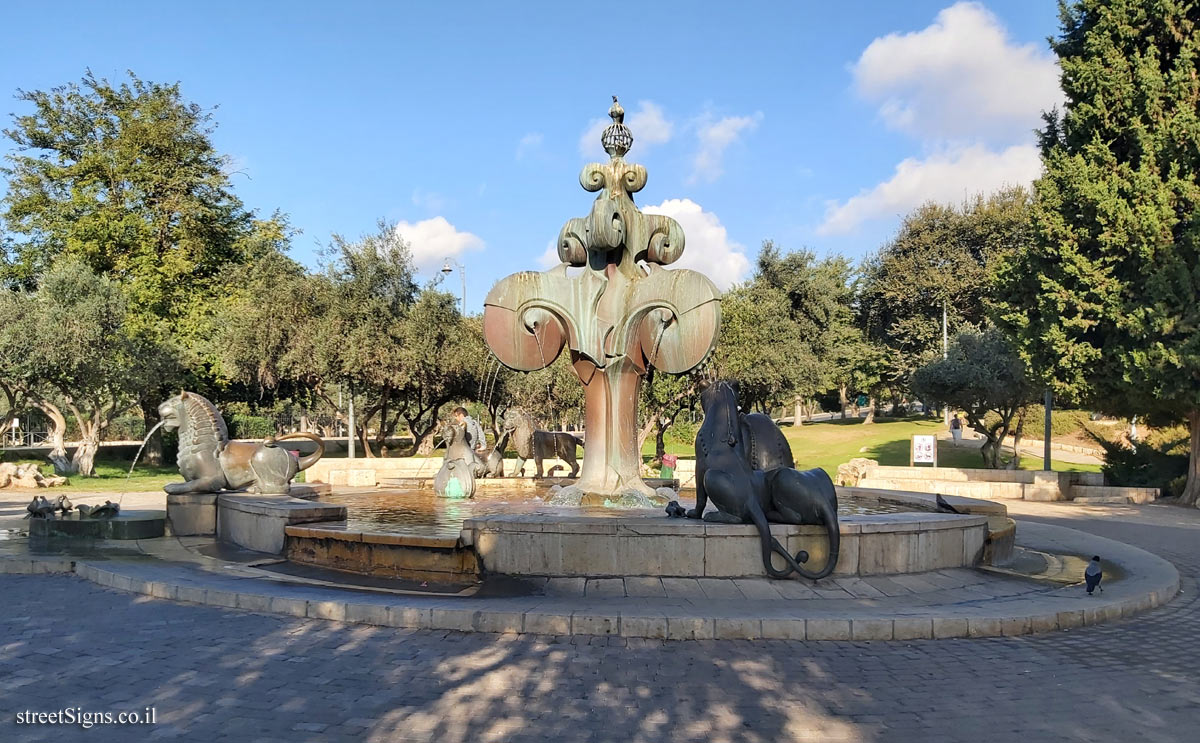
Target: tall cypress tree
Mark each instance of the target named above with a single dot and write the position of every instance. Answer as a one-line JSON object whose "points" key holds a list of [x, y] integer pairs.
{"points": [[1107, 303]]}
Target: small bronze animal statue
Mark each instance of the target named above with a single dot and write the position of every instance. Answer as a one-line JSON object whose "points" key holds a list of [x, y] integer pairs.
{"points": [[42, 507], [105, 510], [676, 511], [456, 478], [730, 448], [538, 445], [210, 462], [494, 463]]}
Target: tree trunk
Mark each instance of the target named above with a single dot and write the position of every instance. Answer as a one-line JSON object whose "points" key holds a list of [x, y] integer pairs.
{"points": [[58, 438], [361, 433], [870, 410], [644, 434], [842, 401], [1017, 433], [425, 447], [990, 451], [660, 445], [1191, 491], [153, 453], [84, 460]]}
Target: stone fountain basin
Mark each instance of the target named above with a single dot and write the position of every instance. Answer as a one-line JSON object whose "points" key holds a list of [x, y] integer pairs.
{"points": [[647, 543], [147, 524]]}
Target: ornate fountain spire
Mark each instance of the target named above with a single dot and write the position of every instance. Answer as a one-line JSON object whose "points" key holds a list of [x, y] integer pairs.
{"points": [[617, 139], [621, 316]]}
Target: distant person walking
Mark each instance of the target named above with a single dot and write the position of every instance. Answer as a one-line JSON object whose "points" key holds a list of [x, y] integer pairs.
{"points": [[475, 436], [956, 429]]}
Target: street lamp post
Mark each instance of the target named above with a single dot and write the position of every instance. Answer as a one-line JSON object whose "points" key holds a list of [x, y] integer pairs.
{"points": [[945, 354], [449, 266]]}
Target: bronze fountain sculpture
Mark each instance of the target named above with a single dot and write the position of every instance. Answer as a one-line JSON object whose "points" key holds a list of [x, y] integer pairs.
{"points": [[210, 462], [461, 466], [744, 466], [623, 315], [532, 443]]}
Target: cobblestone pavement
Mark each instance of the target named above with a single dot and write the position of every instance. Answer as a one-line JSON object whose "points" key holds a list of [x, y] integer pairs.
{"points": [[217, 675]]}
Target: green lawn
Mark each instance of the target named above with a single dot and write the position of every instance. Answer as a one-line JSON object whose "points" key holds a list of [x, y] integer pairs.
{"points": [[827, 444], [111, 477]]}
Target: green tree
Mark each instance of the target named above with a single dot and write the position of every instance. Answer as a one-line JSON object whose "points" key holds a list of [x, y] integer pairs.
{"points": [[819, 295], [981, 374], [89, 370], [664, 398], [360, 327], [1106, 303], [760, 346], [125, 177], [941, 258]]}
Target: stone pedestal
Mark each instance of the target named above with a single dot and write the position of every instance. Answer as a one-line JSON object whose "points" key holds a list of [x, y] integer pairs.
{"points": [[257, 522], [126, 525], [192, 514]]}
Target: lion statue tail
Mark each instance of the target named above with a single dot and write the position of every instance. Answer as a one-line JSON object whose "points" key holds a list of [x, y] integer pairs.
{"points": [[307, 460]]}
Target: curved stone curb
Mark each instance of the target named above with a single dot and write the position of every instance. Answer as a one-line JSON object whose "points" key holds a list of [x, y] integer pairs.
{"points": [[1149, 581]]}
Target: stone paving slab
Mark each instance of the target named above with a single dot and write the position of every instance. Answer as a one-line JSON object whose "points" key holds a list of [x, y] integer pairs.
{"points": [[957, 603]]}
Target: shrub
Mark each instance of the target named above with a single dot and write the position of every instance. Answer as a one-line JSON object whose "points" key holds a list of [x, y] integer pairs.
{"points": [[682, 432], [1062, 422], [126, 428], [1156, 462], [243, 426]]}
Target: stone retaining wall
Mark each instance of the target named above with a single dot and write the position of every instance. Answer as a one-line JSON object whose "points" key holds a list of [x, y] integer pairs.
{"points": [[1035, 485], [597, 547]]}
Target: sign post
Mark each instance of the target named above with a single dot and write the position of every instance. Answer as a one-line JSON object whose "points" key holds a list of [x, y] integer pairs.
{"points": [[923, 450]]}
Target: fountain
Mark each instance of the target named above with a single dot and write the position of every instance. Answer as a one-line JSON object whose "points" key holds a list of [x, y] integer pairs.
{"points": [[620, 317]]}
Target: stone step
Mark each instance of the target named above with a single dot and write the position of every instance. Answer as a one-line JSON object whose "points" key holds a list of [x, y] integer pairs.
{"points": [[1124, 500], [946, 606]]}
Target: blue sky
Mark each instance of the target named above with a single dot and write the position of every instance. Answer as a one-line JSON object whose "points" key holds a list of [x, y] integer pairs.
{"points": [[815, 124]]}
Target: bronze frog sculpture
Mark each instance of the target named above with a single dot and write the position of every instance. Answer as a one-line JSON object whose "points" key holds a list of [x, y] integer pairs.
{"points": [[210, 462], [744, 466]]}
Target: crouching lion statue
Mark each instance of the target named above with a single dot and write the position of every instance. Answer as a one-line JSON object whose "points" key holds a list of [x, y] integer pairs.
{"points": [[744, 466], [210, 462]]}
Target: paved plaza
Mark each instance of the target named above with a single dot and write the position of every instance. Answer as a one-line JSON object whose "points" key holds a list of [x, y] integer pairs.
{"points": [[214, 674]]}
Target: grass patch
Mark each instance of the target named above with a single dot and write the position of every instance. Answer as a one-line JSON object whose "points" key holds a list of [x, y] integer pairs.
{"points": [[111, 477], [827, 444]]}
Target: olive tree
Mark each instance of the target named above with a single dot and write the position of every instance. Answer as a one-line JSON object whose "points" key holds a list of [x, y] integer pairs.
{"points": [[981, 373]]}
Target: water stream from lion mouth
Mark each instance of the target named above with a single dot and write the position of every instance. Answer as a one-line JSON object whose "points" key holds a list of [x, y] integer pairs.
{"points": [[129, 474], [145, 441]]}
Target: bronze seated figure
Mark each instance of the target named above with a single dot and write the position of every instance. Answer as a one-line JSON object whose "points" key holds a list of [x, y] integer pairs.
{"points": [[744, 466]]}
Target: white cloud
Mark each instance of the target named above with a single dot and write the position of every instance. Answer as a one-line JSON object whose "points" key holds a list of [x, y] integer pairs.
{"points": [[549, 257], [715, 138], [428, 200], [972, 98], [960, 77], [529, 144], [433, 240], [648, 123], [707, 247], [948, 177]]}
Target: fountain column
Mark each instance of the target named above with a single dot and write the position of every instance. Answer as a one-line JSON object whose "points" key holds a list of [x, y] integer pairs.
{"points": [[621, 316]]}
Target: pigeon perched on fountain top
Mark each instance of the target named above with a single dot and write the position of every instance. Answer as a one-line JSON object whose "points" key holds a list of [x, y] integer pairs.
{"points": [[621, 316]]}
